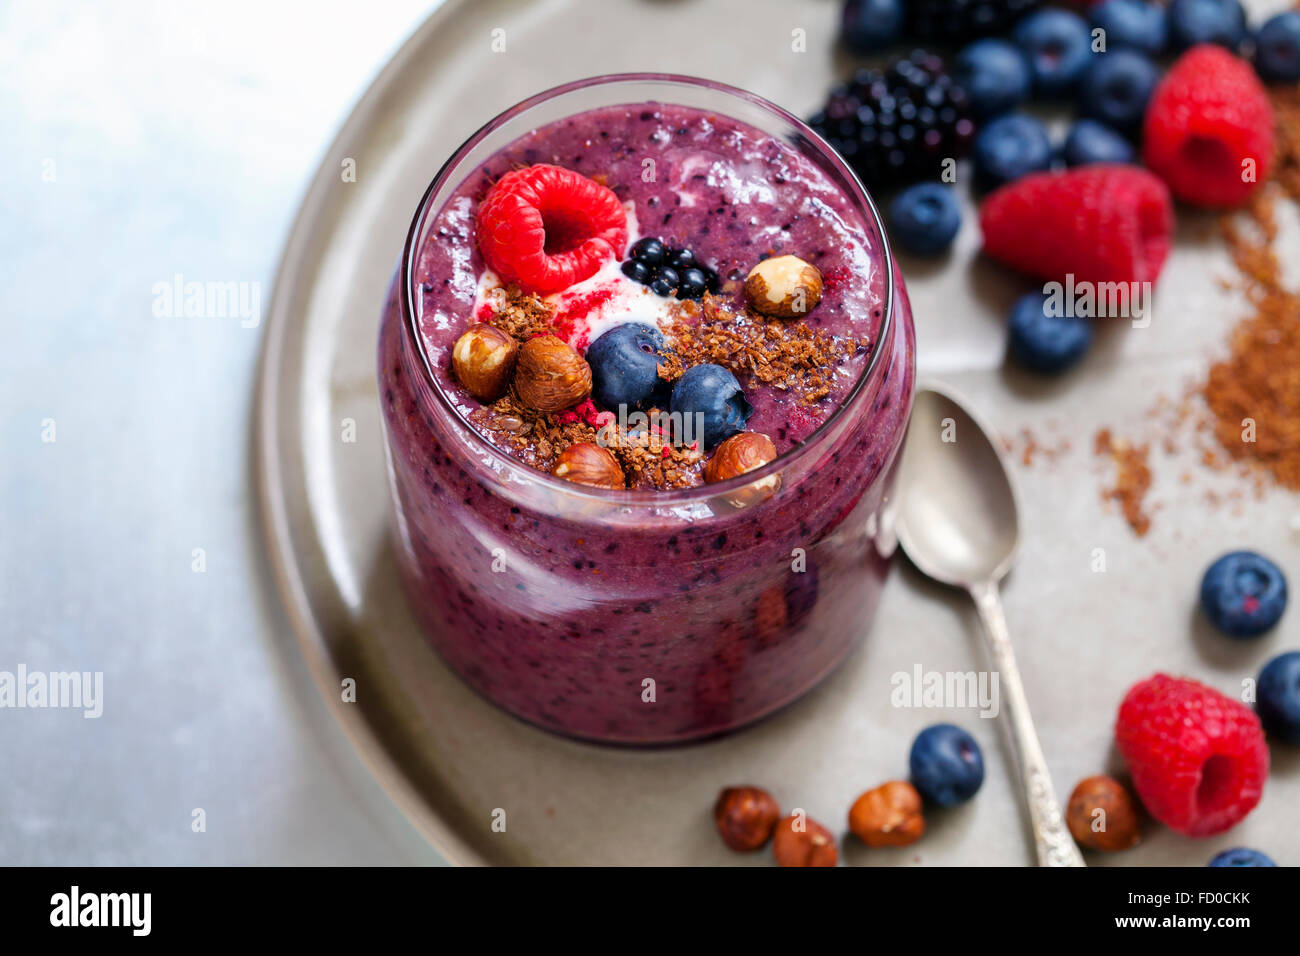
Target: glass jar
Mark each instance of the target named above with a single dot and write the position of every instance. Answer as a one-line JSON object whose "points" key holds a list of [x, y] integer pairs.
{"points": [[641, 616]]}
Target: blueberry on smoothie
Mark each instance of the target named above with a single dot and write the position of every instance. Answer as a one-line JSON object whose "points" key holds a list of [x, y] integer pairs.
{"points": [[625, 367], [925, 218], [1059, 46], [868, 26], [1092, 142], [1132, 24], [1277, 48], [1116, 88], [1277, 697], [1192, 22], [1243, 594], [946, 764], [714, 393], [994, 74], [1241, 856], [1010, 147]]}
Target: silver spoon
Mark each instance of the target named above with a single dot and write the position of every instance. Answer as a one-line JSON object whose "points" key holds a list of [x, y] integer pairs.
{"points": [[957, 520]]}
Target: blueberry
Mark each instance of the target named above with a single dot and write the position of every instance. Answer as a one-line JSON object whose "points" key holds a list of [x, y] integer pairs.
{"points": [[1043, 341], [1059, 46], [868, 26], [946, 764], [1116, 87], [1091, 142], [1008, 148], [1277, 48], [1241, 856], [693, 285], [995, 75], [711, 391], [924, 218], [649, 250], [1132, 24], [1243, 594], [637, 271], [1206, 21], [625, 367], [1277, 697]]}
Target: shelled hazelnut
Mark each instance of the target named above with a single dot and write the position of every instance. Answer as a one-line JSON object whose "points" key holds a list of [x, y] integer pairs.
{"points": [[550, 375], [588, 464], [483, 360], [784, 287], [1102, 815], [801, 841], [889, 815], [745, 817]]}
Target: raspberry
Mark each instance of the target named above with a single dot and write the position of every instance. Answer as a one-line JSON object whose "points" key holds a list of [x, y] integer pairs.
{"points": [[1198, 758], [1208, 117], [545, 228], [1103, 223]]}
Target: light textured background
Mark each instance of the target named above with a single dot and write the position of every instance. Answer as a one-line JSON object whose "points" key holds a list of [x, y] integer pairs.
{"points": [[182, 137]]}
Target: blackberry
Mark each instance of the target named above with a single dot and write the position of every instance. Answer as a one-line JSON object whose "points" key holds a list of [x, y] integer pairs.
{"points": [[957, 21], [669, 271], [897, 126]]}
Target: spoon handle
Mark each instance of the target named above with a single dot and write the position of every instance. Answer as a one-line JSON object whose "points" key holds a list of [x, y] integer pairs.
{"points": [[1052, 837]]}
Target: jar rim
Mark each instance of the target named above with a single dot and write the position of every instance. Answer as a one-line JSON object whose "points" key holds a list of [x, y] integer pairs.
{"points": [[858, 196]]}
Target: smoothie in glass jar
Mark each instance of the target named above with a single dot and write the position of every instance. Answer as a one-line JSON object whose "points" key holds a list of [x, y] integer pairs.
{"points": [[645, 370]]}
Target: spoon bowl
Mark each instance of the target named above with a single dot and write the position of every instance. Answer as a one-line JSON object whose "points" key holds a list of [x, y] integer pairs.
{"points": [[959, 518]]}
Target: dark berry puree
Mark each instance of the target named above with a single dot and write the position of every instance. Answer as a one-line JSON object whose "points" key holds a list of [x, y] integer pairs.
{"points": [[624, 617]]}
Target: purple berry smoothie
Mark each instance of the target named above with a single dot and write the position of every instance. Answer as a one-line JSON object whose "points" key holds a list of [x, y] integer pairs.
{"points": [[650, 616]]}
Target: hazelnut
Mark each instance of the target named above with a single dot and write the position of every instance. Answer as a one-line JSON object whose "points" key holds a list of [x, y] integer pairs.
{"points": [[589, 464], [745, 817], [483, 360], [889, 815], [785, 287], [551, 375], [802, 841], [1102, 815], [737, 455]]}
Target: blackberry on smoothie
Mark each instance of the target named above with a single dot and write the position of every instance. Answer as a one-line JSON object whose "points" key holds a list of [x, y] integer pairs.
{"points": [[645, 376]]}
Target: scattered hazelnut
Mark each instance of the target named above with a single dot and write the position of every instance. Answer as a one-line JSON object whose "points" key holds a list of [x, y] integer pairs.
{"points": [[551, 375], [801, 841], [589, 464], [1102, 815], [745, 817], [737, 455], [785, 287], [483, 360], [889, 815]]}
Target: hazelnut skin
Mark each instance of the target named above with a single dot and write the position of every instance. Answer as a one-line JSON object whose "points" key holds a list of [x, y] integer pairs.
{"points": [[1102, 815], [588, 464], [550, 375], [801, 841], [737, 455], [745, 817], [889, 815], [784, 287], [483, 359]]}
